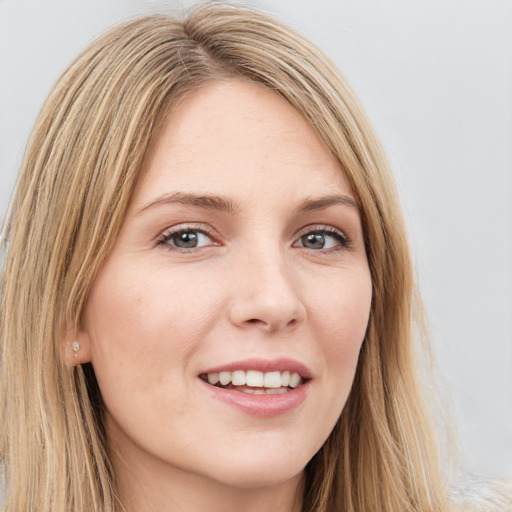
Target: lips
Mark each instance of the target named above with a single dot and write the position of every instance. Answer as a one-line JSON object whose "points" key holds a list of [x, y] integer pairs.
{"points": [[260, 387]]}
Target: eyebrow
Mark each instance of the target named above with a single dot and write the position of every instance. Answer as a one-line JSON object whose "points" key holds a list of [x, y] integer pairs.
{"points": [[321, 203], [225, 204], [206, 201]]}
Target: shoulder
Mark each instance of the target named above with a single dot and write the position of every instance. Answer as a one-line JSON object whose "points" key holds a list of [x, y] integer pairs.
{"points": [[483, 495]]}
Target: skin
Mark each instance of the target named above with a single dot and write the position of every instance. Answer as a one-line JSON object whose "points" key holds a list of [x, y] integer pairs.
{"points": [[254, 287]]}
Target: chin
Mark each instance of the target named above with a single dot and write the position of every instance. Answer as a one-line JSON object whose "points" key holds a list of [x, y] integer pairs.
{"points": [[258, 477], [262, 469]]}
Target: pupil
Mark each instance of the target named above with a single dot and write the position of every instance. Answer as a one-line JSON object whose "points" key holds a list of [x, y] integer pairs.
{"points": [[186, 240], [313, 241]]}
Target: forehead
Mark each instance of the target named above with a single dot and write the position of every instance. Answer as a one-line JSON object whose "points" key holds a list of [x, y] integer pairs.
{"points": [[237, 137]]}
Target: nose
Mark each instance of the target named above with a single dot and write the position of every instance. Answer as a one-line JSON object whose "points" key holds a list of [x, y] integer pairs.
{"points": [[266, 294]]}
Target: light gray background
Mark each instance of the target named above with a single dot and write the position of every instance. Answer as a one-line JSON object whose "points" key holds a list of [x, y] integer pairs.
{"points": [[435, 77]]}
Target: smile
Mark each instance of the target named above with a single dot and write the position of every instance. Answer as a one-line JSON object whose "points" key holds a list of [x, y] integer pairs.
{"points": [[259, 387], [254, 381]]}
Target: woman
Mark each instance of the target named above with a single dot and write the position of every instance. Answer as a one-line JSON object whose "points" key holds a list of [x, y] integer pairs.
{"points": [[219, 302]]}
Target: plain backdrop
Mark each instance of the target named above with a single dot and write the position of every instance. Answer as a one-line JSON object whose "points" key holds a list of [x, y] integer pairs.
{"points": [[435, 77]]}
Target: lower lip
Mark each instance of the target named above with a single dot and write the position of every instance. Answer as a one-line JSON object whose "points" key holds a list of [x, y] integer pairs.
{"points": [[261, 405]]}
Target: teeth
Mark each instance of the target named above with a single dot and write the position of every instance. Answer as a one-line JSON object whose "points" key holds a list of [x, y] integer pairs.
{"points": [[255, 379], [273, 381], [238, 378], [294, 380], [213, 378], [276, 391], [225, 378], [260, 391]]}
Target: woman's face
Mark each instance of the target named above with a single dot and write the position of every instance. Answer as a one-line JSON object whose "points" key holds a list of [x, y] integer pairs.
{"points": [[241, 258]]}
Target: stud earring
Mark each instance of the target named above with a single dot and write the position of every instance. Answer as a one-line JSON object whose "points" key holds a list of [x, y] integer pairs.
{"points": [[76, 348]]}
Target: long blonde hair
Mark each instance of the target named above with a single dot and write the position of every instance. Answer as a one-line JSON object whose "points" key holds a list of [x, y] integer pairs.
{"points": [[81, 166]]}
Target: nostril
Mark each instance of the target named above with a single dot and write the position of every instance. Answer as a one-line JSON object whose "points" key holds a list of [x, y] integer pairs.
{"points": [[254, 321], [266, 312]]}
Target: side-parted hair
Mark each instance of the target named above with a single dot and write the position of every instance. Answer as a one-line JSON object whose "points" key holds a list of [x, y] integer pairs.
{"points": [[83, 161]]}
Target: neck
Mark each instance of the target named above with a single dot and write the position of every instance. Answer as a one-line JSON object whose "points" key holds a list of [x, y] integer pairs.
{"points": [[149, 486]]}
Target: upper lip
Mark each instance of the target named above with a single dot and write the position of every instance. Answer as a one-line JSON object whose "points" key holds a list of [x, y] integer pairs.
{"points": [[264, 365]]}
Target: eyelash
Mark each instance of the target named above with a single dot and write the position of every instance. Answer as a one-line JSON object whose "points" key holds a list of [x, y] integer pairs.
{"points": [[343, 240], [167, 235]]}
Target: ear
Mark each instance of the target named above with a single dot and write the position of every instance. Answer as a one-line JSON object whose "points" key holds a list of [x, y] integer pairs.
{"points": [[75, 347]]}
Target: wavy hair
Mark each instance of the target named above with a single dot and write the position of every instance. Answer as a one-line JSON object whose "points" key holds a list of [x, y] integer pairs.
{"points": [[84, 159]]}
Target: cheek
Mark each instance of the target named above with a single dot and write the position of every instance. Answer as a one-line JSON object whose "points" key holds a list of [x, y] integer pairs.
{"points": [[344, 309], [138, 327], [341, 316], [136, 330]]}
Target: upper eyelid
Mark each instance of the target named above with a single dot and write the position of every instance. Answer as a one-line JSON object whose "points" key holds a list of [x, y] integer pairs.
{"points": [[186, 226], [321, 227], [177, 228]]}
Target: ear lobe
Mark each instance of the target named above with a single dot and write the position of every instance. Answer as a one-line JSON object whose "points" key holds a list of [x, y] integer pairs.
{"points": [[75, 347]]}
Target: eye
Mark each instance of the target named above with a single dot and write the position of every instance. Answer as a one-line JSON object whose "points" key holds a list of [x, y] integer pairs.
{"points": [[323, 239], [185, 238]]}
